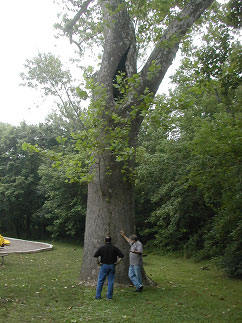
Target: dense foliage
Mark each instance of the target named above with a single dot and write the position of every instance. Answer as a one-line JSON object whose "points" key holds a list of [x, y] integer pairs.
{"points": [[37, 199], [189, 173], [19, 178]]}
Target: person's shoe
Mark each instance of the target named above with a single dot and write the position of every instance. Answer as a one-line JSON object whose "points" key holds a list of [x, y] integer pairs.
{"points": [[97, 297], [140, 289]]}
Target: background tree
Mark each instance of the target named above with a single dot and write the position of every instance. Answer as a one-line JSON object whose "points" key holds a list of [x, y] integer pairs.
{"points": [[37, 197], [190, 170], [65, 197], [47, 72], [64, 207], [19, 178]]}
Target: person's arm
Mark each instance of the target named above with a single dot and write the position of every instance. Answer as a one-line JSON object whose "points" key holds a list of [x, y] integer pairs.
{"points": [[118, 261], [99, 261], [119, 255], [97, 255], [137, 252], [138, 248], [124, 236]]}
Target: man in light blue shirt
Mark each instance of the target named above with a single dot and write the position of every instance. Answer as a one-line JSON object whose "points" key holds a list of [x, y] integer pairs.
{"points": [[135, 261]]}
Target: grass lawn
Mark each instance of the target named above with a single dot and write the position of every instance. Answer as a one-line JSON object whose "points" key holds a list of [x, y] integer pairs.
{"points": [[43, 287]]}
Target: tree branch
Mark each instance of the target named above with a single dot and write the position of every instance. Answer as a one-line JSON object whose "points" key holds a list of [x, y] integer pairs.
{"points": [[69, 26], [119, 44], [165, 50]]}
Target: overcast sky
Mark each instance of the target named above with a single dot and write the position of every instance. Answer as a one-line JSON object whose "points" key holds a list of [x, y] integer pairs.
{"points": [[26, 28]]}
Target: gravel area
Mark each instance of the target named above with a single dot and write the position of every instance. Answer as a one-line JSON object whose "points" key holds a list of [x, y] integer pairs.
{"points": [[24, 246]]}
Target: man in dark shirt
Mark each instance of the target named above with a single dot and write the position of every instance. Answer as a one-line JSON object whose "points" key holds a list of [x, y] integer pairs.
{"points": [[108, 256]]}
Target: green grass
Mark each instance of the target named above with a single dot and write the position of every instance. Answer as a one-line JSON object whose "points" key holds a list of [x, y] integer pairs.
{"points": [[43, 287]]}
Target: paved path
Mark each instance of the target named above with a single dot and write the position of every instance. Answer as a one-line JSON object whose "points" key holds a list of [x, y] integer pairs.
{"points": [[24, 246]]}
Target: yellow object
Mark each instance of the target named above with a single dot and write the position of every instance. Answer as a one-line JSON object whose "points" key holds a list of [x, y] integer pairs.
{"points": [[4, 242], [1, 241]]}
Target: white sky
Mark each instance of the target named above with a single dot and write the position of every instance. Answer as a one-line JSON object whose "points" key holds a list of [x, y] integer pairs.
{"points": [[26, 28]]}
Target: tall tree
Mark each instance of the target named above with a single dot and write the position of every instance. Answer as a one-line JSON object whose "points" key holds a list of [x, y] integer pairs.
{"points": [[121, 97], [46, 72], [189, 170], [19, 197]]}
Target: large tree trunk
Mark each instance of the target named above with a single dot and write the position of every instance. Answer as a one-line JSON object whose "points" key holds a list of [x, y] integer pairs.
{"points": [[110, 209], [110, 206]]}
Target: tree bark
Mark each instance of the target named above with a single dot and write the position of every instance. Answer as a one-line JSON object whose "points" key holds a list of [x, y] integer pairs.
{"points": [[110, 209], [110, 206]]}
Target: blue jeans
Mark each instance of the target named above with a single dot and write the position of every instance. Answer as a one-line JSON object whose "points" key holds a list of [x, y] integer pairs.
{"points": [[135, 276], [105, 271]]}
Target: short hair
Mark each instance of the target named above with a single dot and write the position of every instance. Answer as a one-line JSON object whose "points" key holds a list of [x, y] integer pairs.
{"points": [[108, 239], [133, 237]]}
